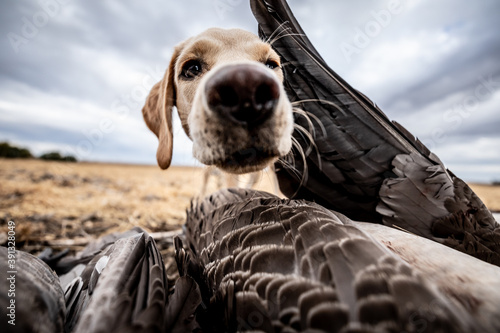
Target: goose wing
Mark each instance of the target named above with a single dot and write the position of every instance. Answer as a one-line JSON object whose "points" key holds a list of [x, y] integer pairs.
{"points": [[360, 163], [124, 289]]}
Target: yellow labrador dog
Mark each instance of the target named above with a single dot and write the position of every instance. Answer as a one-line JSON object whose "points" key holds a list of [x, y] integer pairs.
{"points": [[227, 88]]}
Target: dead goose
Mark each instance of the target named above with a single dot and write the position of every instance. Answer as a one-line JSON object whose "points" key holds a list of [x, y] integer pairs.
{"points": [[366, 166], [263, 264], [273, 265]]}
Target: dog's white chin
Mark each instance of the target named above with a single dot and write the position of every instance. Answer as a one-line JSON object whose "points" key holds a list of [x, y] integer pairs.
{"points": [[249, 159], [232, 164], [247, 168]]}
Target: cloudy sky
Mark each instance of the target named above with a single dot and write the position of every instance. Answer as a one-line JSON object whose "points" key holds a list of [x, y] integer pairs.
{"points": [[74, 74]]}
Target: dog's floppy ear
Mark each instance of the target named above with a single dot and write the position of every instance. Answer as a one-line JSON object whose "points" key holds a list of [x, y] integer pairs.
{"points": [[157, 112]]}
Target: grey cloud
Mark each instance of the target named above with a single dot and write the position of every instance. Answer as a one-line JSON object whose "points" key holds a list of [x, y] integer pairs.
{"points": [[137, 32], [459, 72], [475, 26], [35, 132]]}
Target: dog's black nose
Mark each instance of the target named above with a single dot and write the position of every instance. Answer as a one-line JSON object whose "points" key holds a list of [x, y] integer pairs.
{"points": [[243, 93]]}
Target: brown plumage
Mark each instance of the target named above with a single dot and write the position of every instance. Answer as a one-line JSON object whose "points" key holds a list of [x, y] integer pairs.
{"points": [[362, 164], [279, 265]]}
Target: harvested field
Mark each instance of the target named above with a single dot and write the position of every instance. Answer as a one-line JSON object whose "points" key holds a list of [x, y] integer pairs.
{"points": [[53, 202], [50, 201]]}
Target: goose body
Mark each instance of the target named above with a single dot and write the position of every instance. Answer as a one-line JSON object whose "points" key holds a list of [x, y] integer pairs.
{"points": [[250, 261], [303, 268], [471, 282]]}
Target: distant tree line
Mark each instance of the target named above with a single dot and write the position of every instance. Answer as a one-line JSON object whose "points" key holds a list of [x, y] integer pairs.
{"points": [[6, 150], [9, 151], [55, 156]]}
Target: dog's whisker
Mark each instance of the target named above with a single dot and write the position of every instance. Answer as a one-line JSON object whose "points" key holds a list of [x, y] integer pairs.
{"points": [[281, 29], [318, 100], [292, 159], [289, 159], [304, 174], [307, 136], [312, 145], [308, 115], [284, 161], [280, 32], [291, 156], [277, 31], [292, 164], [287, 165], [284, 35], [312, 130]]}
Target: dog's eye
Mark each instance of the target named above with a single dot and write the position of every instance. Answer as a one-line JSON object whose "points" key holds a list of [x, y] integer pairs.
{"points": [[191, 69], [272, 64]]}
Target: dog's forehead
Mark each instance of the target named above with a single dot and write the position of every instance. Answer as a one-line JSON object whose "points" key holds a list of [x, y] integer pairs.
{"points": [[215, 44]]}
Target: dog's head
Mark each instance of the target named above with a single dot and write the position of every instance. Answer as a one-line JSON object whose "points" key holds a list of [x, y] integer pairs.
{"points": [[227, 88]]}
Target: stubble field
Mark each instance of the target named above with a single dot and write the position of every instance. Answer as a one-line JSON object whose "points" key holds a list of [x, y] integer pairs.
{"points": [[68, 204]]}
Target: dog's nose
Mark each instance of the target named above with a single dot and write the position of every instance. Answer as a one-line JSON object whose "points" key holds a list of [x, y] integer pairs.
{"points": [[243, 93]]}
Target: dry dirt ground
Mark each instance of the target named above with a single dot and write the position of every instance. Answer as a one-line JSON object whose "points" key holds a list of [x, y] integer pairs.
{"points": [[59, 204], [54, 201]]}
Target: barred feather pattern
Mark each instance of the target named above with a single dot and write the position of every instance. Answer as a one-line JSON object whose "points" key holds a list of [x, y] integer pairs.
{"points": [[470, 228], [277, 265], [427, 200], [366, 166]]}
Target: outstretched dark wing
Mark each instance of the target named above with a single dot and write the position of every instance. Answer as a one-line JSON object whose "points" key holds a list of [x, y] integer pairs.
{"points": [[359, 162]]}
